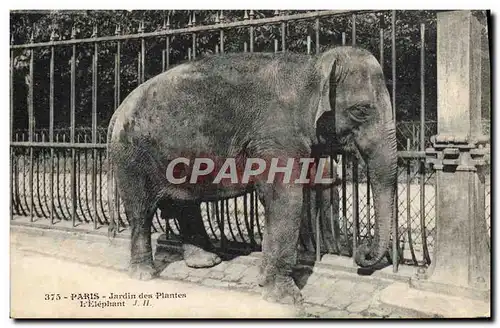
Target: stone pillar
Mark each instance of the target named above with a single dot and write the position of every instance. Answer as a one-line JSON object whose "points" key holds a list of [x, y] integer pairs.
{"points": [[461, 261]]}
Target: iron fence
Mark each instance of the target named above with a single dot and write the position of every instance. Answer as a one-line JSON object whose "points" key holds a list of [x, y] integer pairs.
{"points": [[60, 175], [43, 189]]}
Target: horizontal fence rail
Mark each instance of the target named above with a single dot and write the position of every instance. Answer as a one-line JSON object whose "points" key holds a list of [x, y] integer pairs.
{"points": [[60, 174], [196, 29]]}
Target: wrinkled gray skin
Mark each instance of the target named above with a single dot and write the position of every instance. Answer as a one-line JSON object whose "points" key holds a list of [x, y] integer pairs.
{"points": [[251, 105]]}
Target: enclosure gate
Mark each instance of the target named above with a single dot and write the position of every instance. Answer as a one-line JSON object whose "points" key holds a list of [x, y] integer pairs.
{"points": [[61, 175]]}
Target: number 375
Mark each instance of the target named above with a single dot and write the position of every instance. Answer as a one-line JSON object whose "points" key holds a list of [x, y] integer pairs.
{"points": [[52, 297]]}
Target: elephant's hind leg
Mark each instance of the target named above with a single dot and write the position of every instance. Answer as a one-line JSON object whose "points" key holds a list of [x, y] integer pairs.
{"points": [[139, 207], [197, 249]]}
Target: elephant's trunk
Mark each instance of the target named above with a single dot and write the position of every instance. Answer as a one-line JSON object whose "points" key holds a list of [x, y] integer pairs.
{"points": [[383, 167]]}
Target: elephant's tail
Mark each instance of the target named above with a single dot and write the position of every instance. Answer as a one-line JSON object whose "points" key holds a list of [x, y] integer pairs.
{"points": [[113, 226]]}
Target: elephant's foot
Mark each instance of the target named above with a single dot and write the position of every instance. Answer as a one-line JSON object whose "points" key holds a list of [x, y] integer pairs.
{"points": [[197, 257], [142, 271], [283, 290]]}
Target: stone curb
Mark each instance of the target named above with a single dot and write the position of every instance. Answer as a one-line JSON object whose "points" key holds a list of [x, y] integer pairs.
{"points": [[328, 291]]}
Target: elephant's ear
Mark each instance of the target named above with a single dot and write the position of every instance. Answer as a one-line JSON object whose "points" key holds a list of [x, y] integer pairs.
{"points": [[327, 67]]}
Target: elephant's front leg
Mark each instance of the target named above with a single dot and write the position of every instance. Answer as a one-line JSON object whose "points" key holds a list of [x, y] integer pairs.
{"points": [[283, 216]]}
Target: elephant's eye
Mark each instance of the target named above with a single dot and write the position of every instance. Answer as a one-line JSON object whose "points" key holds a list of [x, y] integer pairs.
{"points": [[360, 113]]}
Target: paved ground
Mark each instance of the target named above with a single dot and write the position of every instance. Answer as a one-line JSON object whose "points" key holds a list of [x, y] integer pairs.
{"points": [[36, 275], [60, 263]]}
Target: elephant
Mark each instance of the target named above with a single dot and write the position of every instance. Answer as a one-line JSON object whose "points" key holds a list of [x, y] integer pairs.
{"points": [[251, 106]]}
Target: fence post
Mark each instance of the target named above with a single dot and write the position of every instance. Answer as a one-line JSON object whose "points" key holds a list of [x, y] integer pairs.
{"points": [[461, 261]]}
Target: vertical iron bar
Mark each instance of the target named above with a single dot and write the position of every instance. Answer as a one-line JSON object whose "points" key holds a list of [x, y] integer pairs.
{"points": [[353, 29], [86, 153], [94, 123], [221, 47], [194, 45], [308, 44], [344, 199], [44, 181], [257, 222], [143, 56], [382, 48], [209, 219], [215, 208], [343, 39], [408, 210], [229, 220], [368, 203], [15, 180], [58, 179], [395, 236], [115, 206], [192, 51], [275, 45], [156, 216], [393, 63], [222, 213], [72, 135], [39, 153], [222, 232], [51, 131], [194, 35], [167, 52], [252, 217], [355, 205], [427, 258], [238, 226], [26, 175], [318, 233], [11, 132], [117, 70], [251, 28], [139, 60], [24, 192], [17, 183], [165, 62], [248, 224], [78, 171], [316, 28], [31, 122], [101, 192], [283, 36], [382, 23], [68, 161], [335, 226], [138, 68], [221, 33]]}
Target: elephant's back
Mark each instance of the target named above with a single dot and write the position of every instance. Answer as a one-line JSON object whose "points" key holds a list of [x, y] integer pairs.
{"points": [[216, 104]]}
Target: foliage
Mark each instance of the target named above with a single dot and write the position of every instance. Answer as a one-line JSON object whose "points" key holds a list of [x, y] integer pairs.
{"points": [[41, 25]]}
